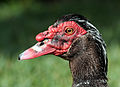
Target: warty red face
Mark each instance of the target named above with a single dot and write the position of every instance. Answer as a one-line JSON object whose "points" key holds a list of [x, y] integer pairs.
{"points": [[56, 40]]}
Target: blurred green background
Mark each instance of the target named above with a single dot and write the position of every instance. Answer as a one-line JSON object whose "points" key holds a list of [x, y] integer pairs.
{"points": [[22, 20]]}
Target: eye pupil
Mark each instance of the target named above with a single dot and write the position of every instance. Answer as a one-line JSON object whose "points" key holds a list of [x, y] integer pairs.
{"points": [[69, 30]]}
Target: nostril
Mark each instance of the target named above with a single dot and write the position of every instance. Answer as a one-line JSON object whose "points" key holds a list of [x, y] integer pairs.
{"points": [[42, 43]]}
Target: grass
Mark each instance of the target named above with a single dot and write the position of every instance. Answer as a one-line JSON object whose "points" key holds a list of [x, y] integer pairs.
{"points": [[49, 71], [114, 64]]}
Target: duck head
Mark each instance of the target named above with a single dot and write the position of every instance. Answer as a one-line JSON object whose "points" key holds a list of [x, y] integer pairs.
{"points": [[59, 37]]}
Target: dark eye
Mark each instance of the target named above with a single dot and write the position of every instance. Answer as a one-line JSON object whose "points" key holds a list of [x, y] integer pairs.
{"points": [[69, 30]]}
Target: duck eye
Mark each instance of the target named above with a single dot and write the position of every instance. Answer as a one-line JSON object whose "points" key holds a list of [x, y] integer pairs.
{"points": [[69, 30]]}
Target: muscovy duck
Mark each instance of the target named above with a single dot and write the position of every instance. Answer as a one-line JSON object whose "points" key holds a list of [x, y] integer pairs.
{"points": [[74, 38]]}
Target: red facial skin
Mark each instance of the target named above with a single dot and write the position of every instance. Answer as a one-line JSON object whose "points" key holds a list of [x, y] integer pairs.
{"points": [[58, 40]]}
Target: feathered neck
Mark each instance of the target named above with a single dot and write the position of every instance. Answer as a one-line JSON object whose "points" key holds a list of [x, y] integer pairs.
{"points": [[87, 63]]}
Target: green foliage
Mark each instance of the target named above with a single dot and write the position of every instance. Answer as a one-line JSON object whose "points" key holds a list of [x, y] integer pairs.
{"points": [[114, 64], [44, 72]]}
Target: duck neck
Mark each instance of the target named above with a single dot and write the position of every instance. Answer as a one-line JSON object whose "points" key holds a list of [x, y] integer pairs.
{"points": [[87, 63], [85, 72]]}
